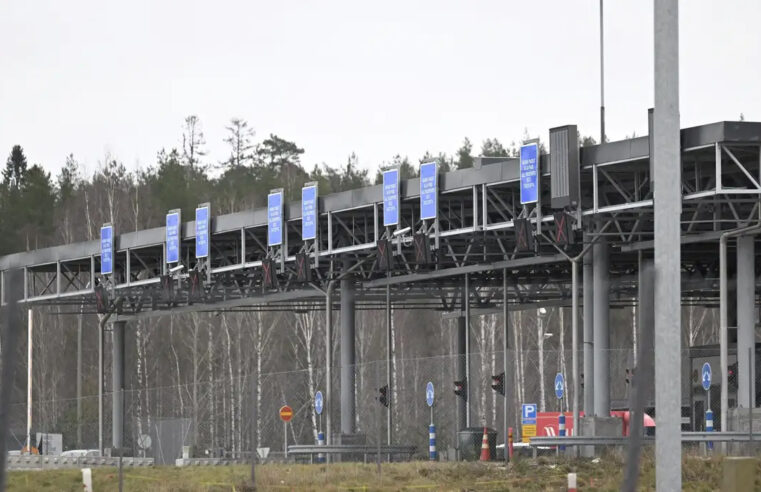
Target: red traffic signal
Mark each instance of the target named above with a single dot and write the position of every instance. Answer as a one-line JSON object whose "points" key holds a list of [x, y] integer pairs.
{"points": [[383, 397], [498, 383], [459, 389]]}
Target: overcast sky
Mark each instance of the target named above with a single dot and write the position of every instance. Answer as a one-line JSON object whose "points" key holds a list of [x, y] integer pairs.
{"points": [[375, 78]]}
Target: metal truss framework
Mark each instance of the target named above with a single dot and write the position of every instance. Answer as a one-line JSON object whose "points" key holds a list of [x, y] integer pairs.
{"points": [[474, 234]]}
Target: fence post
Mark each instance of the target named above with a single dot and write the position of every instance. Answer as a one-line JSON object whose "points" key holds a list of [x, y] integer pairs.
{"points": [[510, 442], [709, 427]]}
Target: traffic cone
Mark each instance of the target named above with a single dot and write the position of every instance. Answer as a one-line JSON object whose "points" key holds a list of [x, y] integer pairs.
{"points": [[485, 455]]}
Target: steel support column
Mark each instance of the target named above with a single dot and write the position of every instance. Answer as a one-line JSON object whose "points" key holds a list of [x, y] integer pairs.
{"points": [[588, 341], [667, 208], [601, 315], [389, 364], [508, 386], [117, 383], [746, 322], [461, 372], [466, 311], [347, 355]]}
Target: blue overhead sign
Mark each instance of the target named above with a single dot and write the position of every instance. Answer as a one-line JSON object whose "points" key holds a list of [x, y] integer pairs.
{"points": [[528, 414], [559, 385], [318, 402], [429, 394], [107, 249], [705, 376], [391, 197], [428, 190], [529, 167], [309, 212], [202, 231], [275, 218], [173, 236]]}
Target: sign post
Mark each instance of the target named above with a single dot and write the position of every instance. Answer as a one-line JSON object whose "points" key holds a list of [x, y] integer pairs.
{"points": [[173, 226], [528, 421], [705, 379], [318, 406], [286, 414], [429, 394]]}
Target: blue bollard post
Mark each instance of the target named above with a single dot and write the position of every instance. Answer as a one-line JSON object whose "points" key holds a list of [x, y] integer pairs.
{"points": [[561, 429], [320, 442], [432, 442], [709, 427]]}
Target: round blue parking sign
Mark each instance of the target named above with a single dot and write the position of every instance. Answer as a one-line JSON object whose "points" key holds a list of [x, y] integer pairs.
{"points": [[559, 385], [429, 394], [318, 402], [705, 376]]}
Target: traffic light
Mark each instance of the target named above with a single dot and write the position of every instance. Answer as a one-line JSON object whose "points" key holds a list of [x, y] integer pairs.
{"points": [[269, 281], [732, 376], [563, 228], [101, 299], [498, 383], [459, 389], [303, 269], [385, 259], [383, 397], [422, 249], [524, 236], [195, 288]]}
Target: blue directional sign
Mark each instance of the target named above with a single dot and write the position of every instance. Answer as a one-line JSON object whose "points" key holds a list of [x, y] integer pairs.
{"points": [[202, 231], [528, 414], [275, 218], [705, 376], [390, 197], [173, 236], [429, 394], [309, 212], [529, 167], [318, 402], [107, 249], [428, 189], [559, 385]]}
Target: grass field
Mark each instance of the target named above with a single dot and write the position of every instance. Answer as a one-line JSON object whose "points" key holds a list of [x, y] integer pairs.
{"points": [[544, 474]]}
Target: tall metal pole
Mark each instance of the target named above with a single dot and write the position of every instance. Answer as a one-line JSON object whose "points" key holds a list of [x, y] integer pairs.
{"points": [[589, 361], [30, 325], [668, 205], [466, 309], [575, 344], [101, 327], [505, 345], [79, 380], [328, 363], [601, 349], [602, 79], [389, 357], [117, 382], [348, 353]]}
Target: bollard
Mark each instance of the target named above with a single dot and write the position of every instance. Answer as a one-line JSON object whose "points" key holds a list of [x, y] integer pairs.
{"points": [[432, 442], [709, 427], [320, 442], [561, 429], [87, 479], [510, 443], [571, 482]]}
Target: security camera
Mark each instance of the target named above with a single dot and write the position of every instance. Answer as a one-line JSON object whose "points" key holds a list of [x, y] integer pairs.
{"points": [[401, 232], [176, 268]]}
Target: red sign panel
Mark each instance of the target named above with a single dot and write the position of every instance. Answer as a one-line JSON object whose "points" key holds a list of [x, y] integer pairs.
{"points": [[286, 413]]}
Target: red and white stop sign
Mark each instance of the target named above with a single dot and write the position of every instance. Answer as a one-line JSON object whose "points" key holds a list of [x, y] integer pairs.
{"points": [[286, 413]]}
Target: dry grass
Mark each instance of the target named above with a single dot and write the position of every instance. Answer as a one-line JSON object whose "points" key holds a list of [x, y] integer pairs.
{"points": [[544, 474]]}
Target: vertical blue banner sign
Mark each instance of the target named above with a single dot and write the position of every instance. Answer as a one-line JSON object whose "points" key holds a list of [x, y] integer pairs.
{"points": [[529, 173], [275, 218], [309, 212], [428, 190], [391, 197], [202, 231], [173, 236], [107, 249]]}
